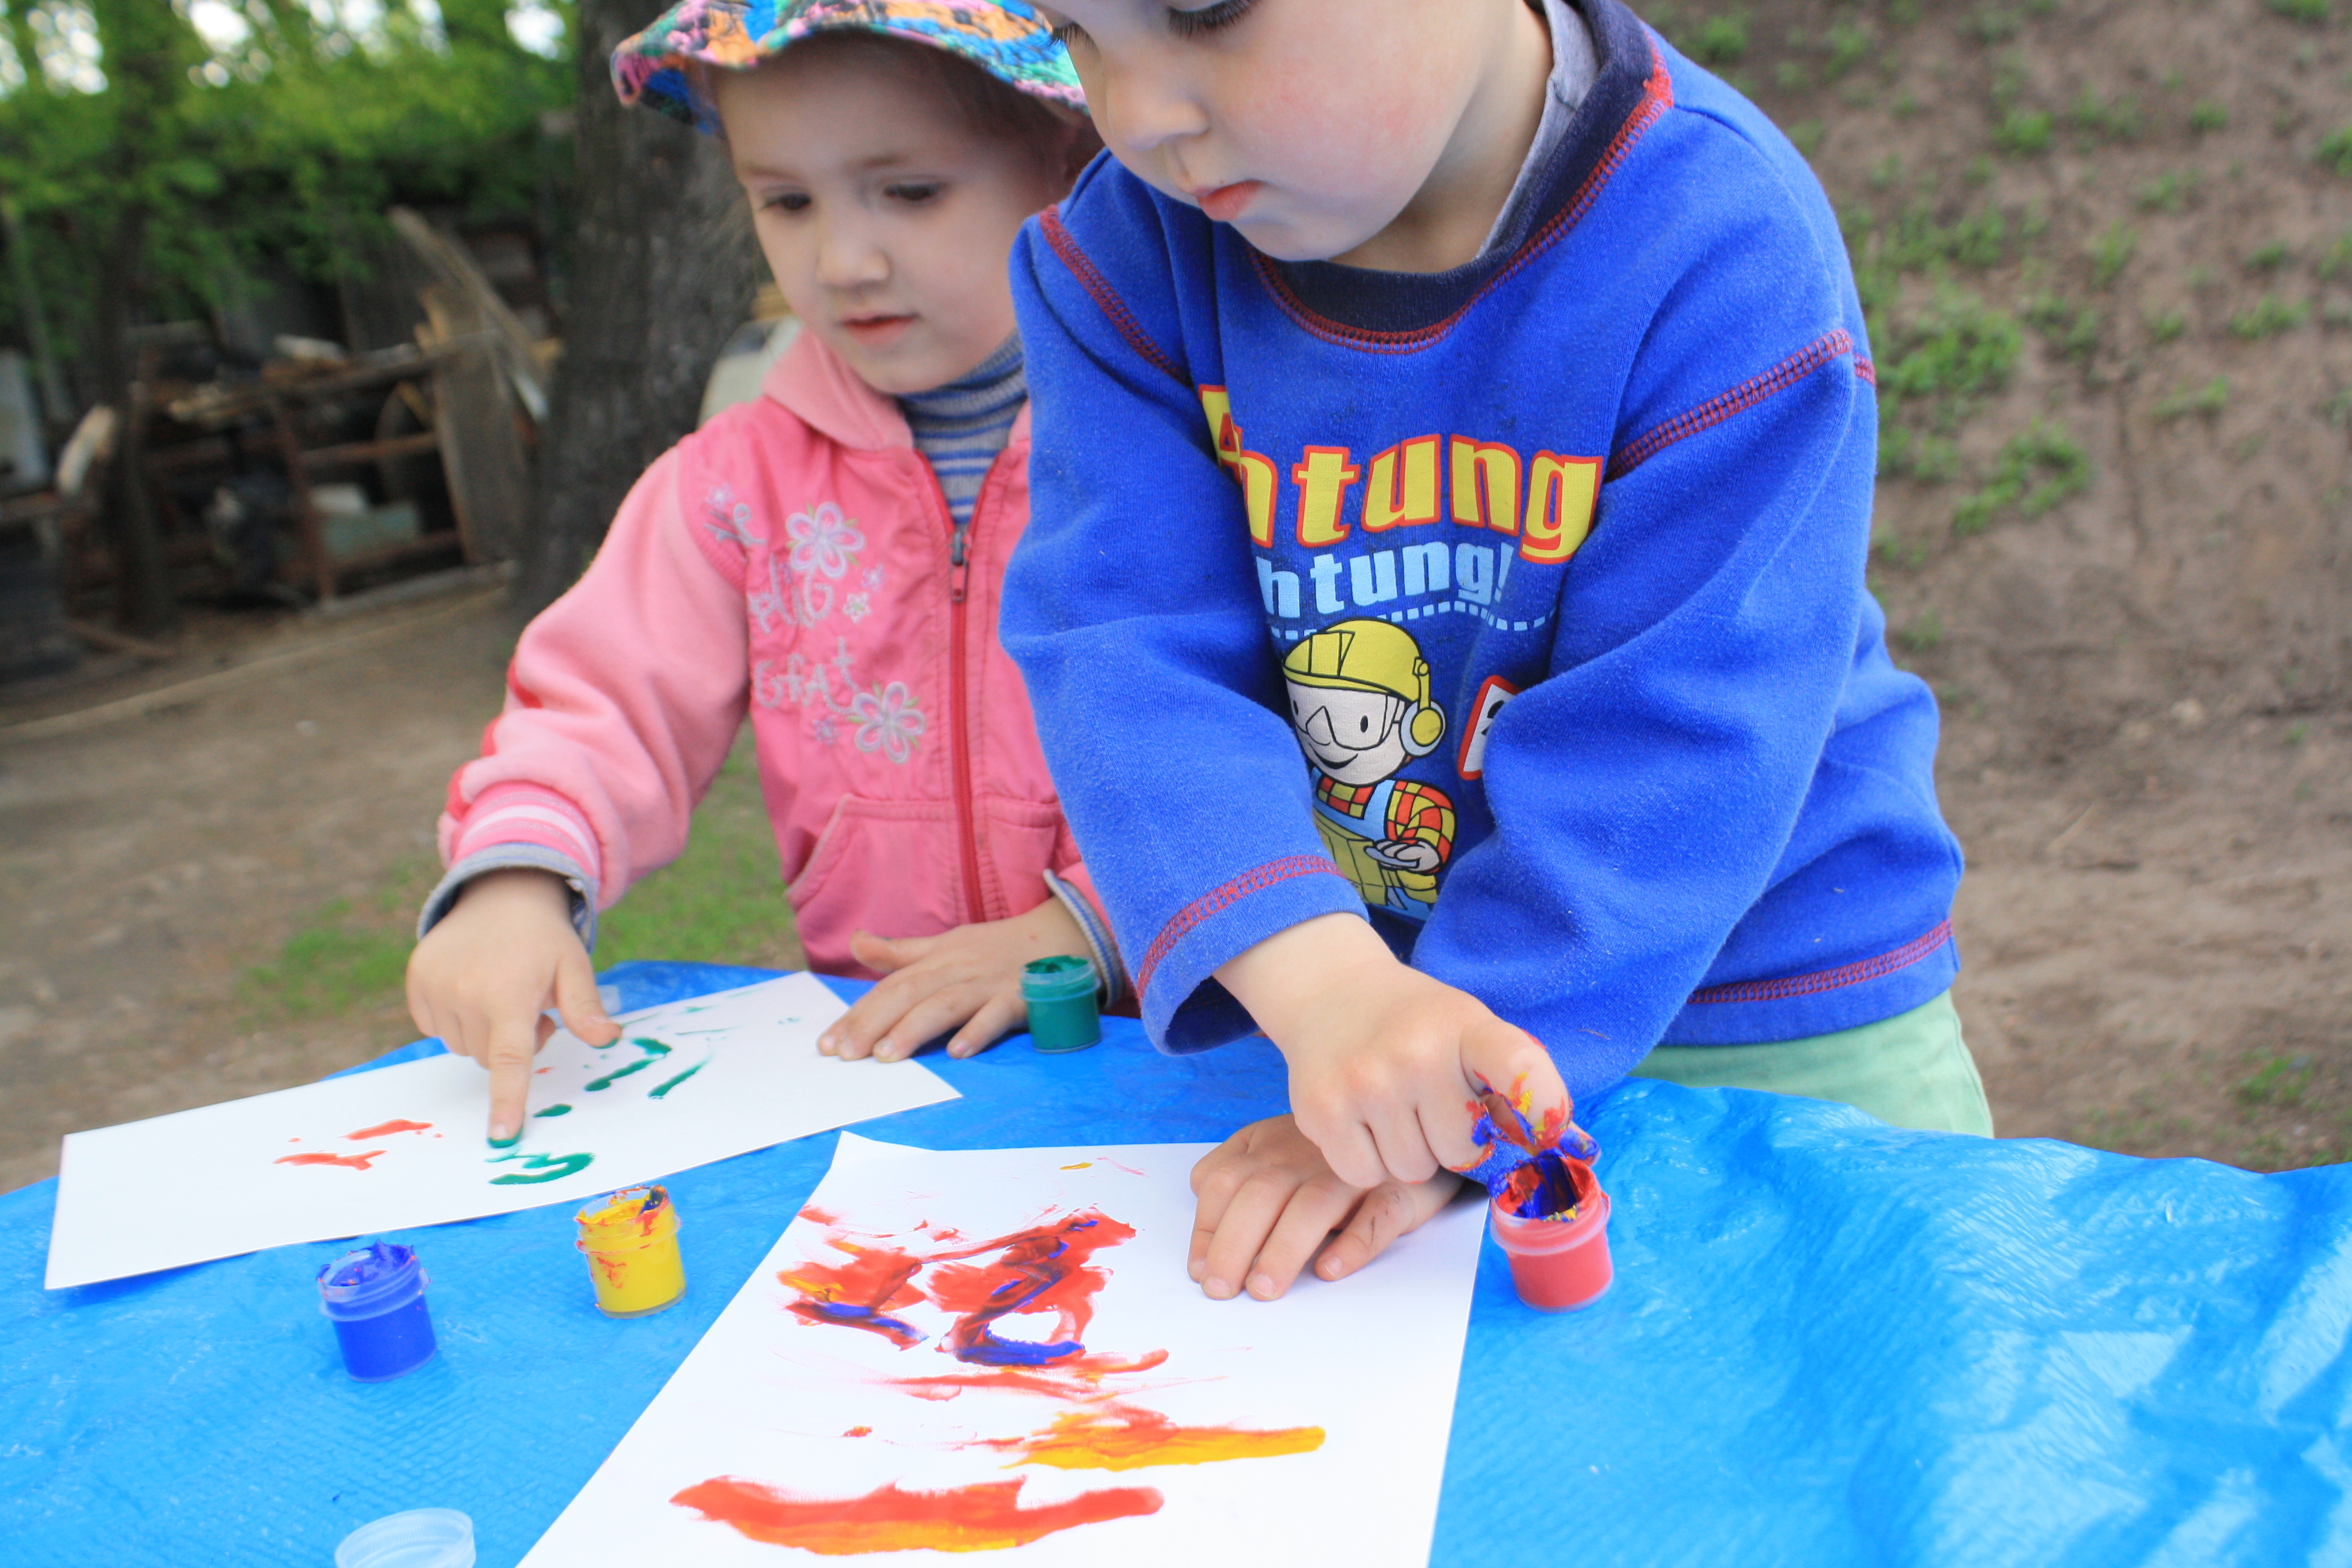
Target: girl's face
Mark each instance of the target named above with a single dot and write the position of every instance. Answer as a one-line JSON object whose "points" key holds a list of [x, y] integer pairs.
{"points": [[887, 219], [1315, 127]]}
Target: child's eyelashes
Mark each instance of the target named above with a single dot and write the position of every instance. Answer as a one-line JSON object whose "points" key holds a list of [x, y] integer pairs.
{"points": [[1207, 18], [788, 202], [913, 193]]}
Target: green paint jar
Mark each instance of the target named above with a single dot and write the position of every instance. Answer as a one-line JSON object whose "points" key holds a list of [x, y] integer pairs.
{"points": [[1061, 997]]}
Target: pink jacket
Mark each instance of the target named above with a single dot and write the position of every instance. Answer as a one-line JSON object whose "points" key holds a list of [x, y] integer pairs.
{"points": [[792, 559]]}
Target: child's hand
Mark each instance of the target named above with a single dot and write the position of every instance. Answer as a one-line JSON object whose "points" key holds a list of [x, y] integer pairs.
{"points": [[1268, 1199], [1384, 1060], [482, 978], [970, 976]]}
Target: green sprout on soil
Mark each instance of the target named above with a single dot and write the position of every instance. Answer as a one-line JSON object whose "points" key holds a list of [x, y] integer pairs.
{"points": [[2167, 192], [2036, 471], [2268, 319], [2311, 11], [2296, 734], [1905, 454], [1957, 349], [2280, 1082], [2334, 150], [1908, 554], [2210, 398], [2116, 121], [1807, 134], [2270, 256], [2163, 329], [1720, 40], [1906, 104], [2208, 115], [2073, 331], [2339, 256], [1992, 26], [2023, 133], [1849, 44], [1923, 633], [2337, 410], [2112, 252]]}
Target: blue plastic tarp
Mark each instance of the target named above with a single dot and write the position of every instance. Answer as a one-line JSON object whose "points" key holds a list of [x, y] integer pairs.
{"points": [[1830, 1342]]}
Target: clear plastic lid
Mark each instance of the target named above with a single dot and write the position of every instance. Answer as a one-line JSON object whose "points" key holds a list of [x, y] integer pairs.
{"points": [[420, 1538]]}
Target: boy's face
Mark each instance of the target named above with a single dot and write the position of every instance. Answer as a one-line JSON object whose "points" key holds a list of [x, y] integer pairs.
{"points": [[887, 219], [1311, 126]]}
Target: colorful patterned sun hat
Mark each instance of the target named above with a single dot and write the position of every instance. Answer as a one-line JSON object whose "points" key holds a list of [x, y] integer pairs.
{"points": [[1003, 37]]}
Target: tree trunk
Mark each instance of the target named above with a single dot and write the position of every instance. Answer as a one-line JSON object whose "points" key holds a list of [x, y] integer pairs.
{"points": [[663, 270], [143, 581]]}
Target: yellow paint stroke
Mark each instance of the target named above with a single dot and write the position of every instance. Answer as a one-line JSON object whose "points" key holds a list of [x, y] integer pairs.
{"points": [[1081, 1165], [1122, 1438]]}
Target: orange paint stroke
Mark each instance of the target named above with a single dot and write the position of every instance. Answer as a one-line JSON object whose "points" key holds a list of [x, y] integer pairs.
{"points": [[1081, 1165], [816, 1216], [385, 1130], [351, 1162], [859, 1432], [859, 1294], [984, 1517], [1124, 1437]]}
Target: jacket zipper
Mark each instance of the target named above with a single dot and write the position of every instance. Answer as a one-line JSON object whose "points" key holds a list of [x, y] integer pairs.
{"points": [[959, 708]]}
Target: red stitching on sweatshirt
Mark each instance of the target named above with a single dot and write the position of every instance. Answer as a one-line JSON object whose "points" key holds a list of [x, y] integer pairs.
{"points": [[1657, 96], [1746, 395], [1192, 914], [1066, 245], [1865, 369], [1845, 975]]}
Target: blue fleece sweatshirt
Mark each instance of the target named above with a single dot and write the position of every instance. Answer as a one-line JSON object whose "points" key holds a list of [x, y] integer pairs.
{"points": [[1519, 608]]}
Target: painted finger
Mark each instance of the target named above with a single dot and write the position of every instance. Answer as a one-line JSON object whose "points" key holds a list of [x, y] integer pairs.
{"points": [[1387, 1212], [1308, 1221], [1511, 1061], [1241, 1231], [510, 1050]]}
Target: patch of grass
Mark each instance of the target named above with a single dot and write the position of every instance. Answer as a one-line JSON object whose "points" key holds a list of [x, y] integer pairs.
{"points": [[1720, 40], [2334, 150], [1908, 554], [1957, 350], [2280, 1082], [2022, 132], [1906, 454], [1993, 25], [2167, 192], [2209, 115], [721, 901], [2337, 410], [2035, 472], [2098, 118], [1915, 242], [1922, 632], [2210, 398], [2163, 329], [347, 956], [1889, 172], [1807, 134], [2072, 330], [2338, 257], [2311, 11], [2112, 252], [2270, 256], [2269, 317], [1849, 45]]}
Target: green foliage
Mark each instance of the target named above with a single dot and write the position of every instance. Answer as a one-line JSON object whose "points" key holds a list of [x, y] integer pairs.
{"points": [[1908, 554], [1955, 350], [1906, 454], [2311, 11], [2334, 150], [1993, 25], [2163, 329], [1923, 633], [721, 901], [2207, 114], [2021, 132], [1806, 135], [2095, 117], [2112, 252], [1719, 40], [2338, 257], [2036, 471], [1849, 44], [198, 171], [2337, 410], [2279, 1081], [2269, 317], [2270, 256], [2209, 399]]}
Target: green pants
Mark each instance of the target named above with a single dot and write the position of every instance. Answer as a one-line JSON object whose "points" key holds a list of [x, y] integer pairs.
{"points": [[1910, 1070]]}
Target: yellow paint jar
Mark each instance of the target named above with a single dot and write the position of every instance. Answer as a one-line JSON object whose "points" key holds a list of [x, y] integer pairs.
{"points": [[631, 1240]]}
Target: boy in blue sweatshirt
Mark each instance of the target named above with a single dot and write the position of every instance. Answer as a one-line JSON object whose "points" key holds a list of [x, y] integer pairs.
{"points": [[1471, 395]]}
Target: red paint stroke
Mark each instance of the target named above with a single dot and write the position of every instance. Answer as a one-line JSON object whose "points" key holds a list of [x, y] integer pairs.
{"points": [[1126, 1437], [386, 1129], [984, 1517], [816, 1216], [859, 1432], [861, 1293], [350, 1162]]}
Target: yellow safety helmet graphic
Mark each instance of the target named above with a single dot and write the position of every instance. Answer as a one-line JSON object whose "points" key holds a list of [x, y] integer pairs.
{"points": [[1372, 656]]}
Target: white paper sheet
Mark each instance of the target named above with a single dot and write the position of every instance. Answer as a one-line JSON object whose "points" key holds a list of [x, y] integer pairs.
{"points": [[403, 1146], [1345, 1390]]}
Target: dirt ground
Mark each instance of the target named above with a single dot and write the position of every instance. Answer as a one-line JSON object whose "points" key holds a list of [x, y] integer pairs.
{"points": [[2142, 642]]}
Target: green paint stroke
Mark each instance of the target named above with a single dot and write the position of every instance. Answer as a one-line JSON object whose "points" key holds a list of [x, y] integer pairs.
{"points": [[656, 1047], [555, 1110], [539, 1168], [673, 1083], [655, 1050]]}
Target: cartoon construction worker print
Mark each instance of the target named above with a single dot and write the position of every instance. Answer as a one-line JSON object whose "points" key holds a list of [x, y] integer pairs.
{"points": [[1358, 694]]}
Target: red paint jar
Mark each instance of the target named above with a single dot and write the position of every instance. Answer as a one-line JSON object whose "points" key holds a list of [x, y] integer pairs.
{"points": [[1559, 1264]]}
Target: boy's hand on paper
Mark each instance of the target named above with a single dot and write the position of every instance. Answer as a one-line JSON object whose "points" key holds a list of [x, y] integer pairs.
{"points": [[968, 977], [483, 978], [1270, 1200], [1384, 1060]]}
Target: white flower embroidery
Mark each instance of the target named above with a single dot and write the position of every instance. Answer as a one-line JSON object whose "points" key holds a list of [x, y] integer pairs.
{"points": [[889, 719], [822, 541], [856, 607], [728, 519]]}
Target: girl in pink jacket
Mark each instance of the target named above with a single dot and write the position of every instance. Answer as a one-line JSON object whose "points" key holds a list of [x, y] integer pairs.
{"points": [[825, 559]]}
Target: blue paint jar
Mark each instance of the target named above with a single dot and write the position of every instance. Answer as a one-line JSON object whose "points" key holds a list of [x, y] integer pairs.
{"points": [[1060, 993], [375, 1297]]}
